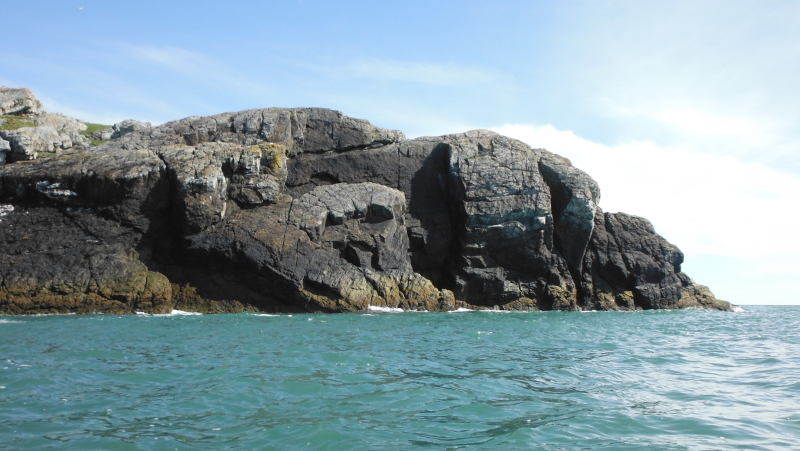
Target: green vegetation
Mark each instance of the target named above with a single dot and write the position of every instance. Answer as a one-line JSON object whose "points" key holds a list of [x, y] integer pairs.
{"points": [[14, 122], [91, 128]]}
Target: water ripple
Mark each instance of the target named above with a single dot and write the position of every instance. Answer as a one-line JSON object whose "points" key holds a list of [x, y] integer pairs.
{"points": [[667, 380]]}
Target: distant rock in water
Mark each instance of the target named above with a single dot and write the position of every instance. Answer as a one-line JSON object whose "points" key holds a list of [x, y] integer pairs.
{"points": [[308, 210]]}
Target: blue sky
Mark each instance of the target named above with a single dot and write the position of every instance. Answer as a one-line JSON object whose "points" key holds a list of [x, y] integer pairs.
{"points": [[685, 112]]}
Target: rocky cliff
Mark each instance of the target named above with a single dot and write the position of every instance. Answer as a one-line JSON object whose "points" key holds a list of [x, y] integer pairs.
{"points": [[308, 210]]}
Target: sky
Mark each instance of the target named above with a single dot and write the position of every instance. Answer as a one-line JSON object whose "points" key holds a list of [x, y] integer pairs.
{"points": [[685, 112]]}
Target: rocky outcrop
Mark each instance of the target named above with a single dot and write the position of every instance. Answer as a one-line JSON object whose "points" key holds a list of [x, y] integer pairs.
{"points": [[120, 129], [5, 148], [26, 130], [306, 209], [18, 101]]}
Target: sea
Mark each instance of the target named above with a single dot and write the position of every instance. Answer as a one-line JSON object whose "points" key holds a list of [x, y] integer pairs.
{"points": [[387, 379]]}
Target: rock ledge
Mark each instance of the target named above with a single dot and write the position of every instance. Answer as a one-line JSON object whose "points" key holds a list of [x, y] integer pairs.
{"points": [[308, 210]]}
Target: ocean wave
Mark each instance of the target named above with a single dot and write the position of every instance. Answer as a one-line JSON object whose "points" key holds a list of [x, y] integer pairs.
{"points": [[174, 312], [377, 308], [52, 314]]}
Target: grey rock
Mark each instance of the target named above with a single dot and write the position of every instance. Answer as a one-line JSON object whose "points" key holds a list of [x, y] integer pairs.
{"points": [[18, 101], [300, 130], [306, 209], [129, 125], [574, 198], [79, 141], [104, 134], [59, 122], [5, 148], [121, 129], [337, 248], [629, 265], [28, 142], [131, 188]]}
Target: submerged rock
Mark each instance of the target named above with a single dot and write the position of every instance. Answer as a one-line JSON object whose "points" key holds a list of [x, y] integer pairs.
{"points": [[305, 210]]}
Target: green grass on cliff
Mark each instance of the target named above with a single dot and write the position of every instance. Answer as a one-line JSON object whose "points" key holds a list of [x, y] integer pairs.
{"points": [[14, 122], [91, 128]]}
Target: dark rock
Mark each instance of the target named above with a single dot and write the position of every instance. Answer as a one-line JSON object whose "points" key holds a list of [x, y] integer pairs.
{"points": [[68, 260], [306, 209], [337, 248], [628, 266]]}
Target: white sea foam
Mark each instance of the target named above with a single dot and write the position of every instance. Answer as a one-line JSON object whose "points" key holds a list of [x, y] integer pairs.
{"points": [[181, 312], [461, 310], [264, 314], [377, 308], [738, 309], [8, 321], [174, 312], [53, 314]]}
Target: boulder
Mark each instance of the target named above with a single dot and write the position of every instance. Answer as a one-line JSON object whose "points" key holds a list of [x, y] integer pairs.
{"points": [[120, 129], [59, 122], [18, 101], [27, 142]]}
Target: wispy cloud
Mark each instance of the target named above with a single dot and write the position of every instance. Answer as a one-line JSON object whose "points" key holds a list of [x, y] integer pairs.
{"points": [[202, 68], [416, 72], [174, 58], [714, 75], [112, 98]]}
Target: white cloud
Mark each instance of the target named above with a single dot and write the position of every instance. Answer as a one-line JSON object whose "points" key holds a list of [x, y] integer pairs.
{"points": [[705, 204], [714, 75], [706, 124]]}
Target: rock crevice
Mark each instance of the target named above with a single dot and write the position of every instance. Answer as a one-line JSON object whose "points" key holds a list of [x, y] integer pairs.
{"points": [[306, 210]]}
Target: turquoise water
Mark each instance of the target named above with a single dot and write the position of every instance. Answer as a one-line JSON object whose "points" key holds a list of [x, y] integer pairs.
{"points": [[670, 380]]}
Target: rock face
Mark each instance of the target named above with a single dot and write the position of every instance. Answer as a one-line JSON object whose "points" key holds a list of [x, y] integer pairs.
{"points": [[18, 101], [26, 130], [120, 129], [305, 209]]}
